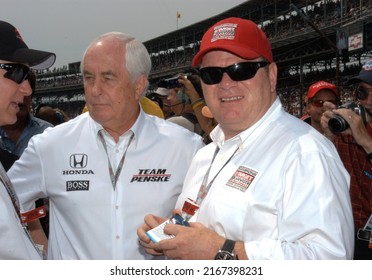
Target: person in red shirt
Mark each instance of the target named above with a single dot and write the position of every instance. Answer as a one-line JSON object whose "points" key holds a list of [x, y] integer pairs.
{"points": [[353, 140], [317, 94]]}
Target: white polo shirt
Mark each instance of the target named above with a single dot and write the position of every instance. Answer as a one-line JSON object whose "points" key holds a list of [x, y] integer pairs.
{"points": [[14, 242], [285, 192], [89, 219]]}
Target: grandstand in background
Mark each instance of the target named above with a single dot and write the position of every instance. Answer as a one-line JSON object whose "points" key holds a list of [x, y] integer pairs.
{"points": [[311, 40]]}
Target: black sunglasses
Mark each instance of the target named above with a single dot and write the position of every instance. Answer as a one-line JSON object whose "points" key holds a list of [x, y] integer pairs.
{"points": [[237, 72], [15, 72], [362, 92], [319, 103]]}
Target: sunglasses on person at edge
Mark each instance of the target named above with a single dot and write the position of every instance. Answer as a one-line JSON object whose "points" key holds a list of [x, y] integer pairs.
{"points": [[319, 103], [15, 72], [360, 92], [237, 72]]}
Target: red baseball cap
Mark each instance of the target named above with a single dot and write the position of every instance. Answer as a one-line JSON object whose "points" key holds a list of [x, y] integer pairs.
{"points": [[316, 87], [239, 36]]}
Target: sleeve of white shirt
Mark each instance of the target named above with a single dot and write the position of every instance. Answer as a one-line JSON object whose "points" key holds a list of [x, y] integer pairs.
{"points": [[316, 220], [27, 176]]}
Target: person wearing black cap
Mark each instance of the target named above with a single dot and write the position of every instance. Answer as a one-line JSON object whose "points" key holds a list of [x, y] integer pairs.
{"points": [[16, 59], [354, 145], [269, 186]]}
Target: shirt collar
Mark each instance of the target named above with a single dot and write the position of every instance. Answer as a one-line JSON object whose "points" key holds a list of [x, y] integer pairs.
{"points": [[218, 136], [136, 129]]}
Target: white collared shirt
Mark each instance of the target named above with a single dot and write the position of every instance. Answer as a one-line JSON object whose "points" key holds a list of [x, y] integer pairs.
{"points": [[88, 218], [285, 193]]}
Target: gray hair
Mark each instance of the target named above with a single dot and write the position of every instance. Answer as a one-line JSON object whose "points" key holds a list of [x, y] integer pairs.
{"points": [[137, 58]]}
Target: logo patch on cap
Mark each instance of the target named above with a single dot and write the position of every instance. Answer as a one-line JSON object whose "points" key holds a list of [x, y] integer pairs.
{"points": [[368, 66], [322, 84], [18, 35], [224, 31]]}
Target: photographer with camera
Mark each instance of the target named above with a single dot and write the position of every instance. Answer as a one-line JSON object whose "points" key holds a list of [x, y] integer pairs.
{"points": [[317, 94], [178, 106], [352, 136], [192, 88], [185, 102]]}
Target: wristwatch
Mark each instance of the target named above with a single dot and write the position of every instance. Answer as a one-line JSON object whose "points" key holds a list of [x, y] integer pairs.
{"points": [[226, 252]]}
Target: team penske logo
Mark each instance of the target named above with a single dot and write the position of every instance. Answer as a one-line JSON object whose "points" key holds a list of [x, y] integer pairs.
{"points": [[151, 175]]}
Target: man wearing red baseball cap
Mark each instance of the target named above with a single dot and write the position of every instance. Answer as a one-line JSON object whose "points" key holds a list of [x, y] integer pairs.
{"points": [[268, 186], [15, 62], [353, 140], [317, 94]]}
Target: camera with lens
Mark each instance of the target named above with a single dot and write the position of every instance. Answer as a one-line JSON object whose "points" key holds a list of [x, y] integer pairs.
{"points": [[337, 124], [170, 83]]}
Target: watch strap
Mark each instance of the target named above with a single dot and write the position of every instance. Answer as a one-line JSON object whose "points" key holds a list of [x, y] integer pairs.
{"points": [[226, 252], [228, 246]]}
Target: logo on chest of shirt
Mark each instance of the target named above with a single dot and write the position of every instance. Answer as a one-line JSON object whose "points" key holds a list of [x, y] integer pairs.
{"points": [[78, 160], [242, 178], [78, 163], [151, 175], [77, 185]]}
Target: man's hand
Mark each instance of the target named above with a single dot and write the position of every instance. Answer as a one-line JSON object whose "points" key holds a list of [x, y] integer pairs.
{"points": [[151, 221], [329, 107], [357, 127], [195, 242]]}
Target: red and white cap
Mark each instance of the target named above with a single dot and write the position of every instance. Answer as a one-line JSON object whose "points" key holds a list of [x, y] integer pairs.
{"points": [[316, 87], [239, 36]]}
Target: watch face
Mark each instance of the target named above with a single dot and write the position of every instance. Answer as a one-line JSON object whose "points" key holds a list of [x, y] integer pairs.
{"points": [[224, 256]]}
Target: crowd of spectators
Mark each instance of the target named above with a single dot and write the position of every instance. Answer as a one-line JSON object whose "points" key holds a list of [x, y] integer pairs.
{"points": [[291, 86], [291, 91], [324, 13], [60, 81]]}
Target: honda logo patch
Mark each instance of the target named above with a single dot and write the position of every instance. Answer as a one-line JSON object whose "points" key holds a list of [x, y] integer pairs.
{"points": [[78, 160]]}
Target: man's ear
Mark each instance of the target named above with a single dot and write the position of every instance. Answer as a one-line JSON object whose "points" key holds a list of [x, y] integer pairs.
{"points": [[140, 86], [273, 72]]}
